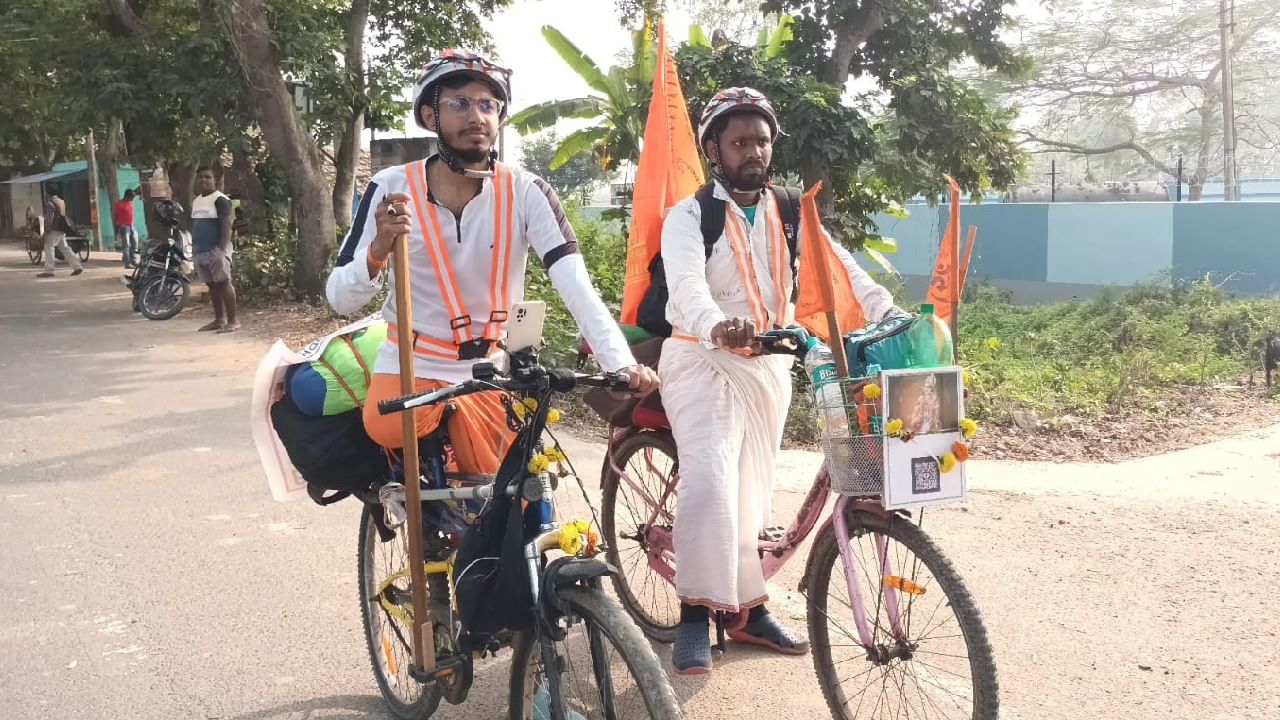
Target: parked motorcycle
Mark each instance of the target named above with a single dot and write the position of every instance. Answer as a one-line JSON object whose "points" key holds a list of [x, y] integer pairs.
{"points": [[159, 282]]}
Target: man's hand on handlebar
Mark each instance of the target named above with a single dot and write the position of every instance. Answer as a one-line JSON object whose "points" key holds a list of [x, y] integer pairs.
{"points": [[734, 333], [642, 379]]}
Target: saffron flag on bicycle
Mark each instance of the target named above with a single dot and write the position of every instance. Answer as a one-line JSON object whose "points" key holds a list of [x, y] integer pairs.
{"points": [[824, 283], [949, 272], [669, 171]]}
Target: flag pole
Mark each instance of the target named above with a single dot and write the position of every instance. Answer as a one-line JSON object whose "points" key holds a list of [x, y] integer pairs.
{"points": [[423, 639], [953, 229]]}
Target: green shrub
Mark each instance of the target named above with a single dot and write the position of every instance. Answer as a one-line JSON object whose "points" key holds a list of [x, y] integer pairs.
{"points": [[1119, 349], [605, 252]]}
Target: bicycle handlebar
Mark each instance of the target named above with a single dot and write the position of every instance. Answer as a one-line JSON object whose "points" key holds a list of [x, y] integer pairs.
{"points": [[783, 341], [562, 381]]}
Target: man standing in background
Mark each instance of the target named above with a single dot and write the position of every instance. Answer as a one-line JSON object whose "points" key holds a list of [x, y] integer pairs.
{"points": [[211, 245], [55, 238], [126, 235]]}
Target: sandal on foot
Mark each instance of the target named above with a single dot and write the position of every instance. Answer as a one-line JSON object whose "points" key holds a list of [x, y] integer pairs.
{"points": [[767, 632], [691, 654]]}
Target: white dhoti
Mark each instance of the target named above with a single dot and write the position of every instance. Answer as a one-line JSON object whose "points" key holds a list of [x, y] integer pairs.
{"points": [[727, 414]]}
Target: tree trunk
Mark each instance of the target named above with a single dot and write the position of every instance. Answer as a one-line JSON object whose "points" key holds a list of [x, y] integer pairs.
{"points": [[245, 22], [815, 170], [253, 199], [347, 158], [110, 152], [182, 178]]}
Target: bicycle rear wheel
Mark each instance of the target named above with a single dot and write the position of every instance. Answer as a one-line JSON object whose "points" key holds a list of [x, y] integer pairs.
{"points": [[603, 668], [937, 663], [650, 463], [386, 608]]}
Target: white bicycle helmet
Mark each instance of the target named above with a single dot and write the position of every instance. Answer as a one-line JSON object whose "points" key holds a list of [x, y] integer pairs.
{"points": [[735, 99], [459, 62]]}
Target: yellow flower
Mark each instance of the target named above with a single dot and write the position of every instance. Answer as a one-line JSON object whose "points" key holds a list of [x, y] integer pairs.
{"points": [[553, 416], [575, 536], [966, 377], [893, 427], [993, 343], [555, 454], [539, 463], [968, 428], [947, 462], [871, 391], [524, 407]]}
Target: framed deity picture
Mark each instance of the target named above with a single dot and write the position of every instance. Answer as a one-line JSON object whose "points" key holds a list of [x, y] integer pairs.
{"points": [[929, 403]]}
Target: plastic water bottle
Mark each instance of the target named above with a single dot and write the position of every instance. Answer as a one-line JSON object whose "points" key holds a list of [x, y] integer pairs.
{"points": [[828, 399], [930, 341]]}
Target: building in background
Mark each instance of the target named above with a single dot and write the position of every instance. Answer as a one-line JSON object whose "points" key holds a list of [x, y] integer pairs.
{"points": [[388, 152]]}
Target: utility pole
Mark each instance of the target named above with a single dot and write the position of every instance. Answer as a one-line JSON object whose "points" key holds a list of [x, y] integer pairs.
{"points": [[1179, 178], [1227, 11], [1053, 181]]}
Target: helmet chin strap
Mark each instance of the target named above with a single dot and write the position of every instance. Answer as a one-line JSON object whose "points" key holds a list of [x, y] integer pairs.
{"points": [[450, 160]]}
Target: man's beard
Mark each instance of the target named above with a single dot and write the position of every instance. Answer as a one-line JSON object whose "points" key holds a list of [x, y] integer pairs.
{"points": [[470, 155], [749, 178]]}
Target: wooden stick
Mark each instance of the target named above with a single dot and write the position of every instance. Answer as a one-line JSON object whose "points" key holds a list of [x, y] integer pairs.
{"points": [[837, 346], [423, 640]]}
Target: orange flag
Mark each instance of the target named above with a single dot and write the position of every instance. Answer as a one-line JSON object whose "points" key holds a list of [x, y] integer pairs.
{"points": [[668, 172], [948, 283], [824, 284]]}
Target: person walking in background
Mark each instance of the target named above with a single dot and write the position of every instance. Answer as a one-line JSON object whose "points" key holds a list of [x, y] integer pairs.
{"points": [[55, 238], [211, 245], [126, 234]]}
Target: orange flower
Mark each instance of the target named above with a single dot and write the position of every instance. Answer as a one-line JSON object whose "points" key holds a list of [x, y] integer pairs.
{"points": [[961, 451]]}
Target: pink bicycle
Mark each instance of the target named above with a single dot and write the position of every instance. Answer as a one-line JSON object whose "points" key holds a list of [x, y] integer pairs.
{"points": [[893, 632]]}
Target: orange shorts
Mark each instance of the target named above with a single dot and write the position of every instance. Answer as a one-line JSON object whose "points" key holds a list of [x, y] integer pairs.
{"points": [[478, 430]]}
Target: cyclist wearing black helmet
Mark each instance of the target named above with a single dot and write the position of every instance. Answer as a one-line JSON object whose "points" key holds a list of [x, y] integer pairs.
{"points": [[727, 408]]}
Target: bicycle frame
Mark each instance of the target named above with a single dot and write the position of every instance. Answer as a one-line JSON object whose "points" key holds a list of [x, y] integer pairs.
{"points": [[776, 553]]}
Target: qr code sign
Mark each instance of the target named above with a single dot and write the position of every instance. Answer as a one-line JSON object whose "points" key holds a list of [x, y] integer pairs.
{"points": [[925, 475]]}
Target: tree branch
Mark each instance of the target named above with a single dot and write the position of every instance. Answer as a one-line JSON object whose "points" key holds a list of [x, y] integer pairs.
{"points": [[1085, 150], [851, 33], [130, 20]]}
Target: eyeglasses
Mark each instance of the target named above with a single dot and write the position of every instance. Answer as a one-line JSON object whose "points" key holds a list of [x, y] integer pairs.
{"points": [[461, 105]]}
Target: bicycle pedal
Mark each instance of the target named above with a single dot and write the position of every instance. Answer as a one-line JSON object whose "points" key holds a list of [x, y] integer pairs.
{"points": [[391, 496]]}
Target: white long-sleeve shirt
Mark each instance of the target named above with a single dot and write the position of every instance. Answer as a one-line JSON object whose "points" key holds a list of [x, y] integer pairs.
{"points": [[703, 291], [538, 223]]}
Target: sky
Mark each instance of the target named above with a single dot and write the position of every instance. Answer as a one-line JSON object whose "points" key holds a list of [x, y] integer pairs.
{"points": [[540, 75]]}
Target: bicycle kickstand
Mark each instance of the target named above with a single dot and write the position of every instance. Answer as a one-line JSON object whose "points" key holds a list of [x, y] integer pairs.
{"points": [[719, 647]]}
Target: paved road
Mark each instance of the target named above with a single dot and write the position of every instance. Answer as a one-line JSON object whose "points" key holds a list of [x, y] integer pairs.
{"points": [[146, 573]]}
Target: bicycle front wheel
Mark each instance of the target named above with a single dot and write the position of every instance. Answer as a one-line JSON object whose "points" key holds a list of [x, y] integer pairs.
{"points": [[386, 608], [929, 656], [603, 668], [649, 466]]}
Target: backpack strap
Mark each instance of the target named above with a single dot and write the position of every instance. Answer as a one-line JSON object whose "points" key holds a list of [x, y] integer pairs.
{"points": [[359, 358], [788, 199], [338, 376], [712, 210]]}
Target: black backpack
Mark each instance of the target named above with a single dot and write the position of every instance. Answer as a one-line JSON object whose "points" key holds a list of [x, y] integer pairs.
{"points": [[333, 453], [652, 313]]}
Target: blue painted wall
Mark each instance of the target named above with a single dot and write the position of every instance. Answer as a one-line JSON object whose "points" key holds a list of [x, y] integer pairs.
{"points": [[1236, 242], [1108, 243], [1084, 245]]}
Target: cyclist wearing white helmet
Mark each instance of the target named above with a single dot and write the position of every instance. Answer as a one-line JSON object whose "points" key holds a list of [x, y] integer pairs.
{"points": [[469, 222], [727, 409]]}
